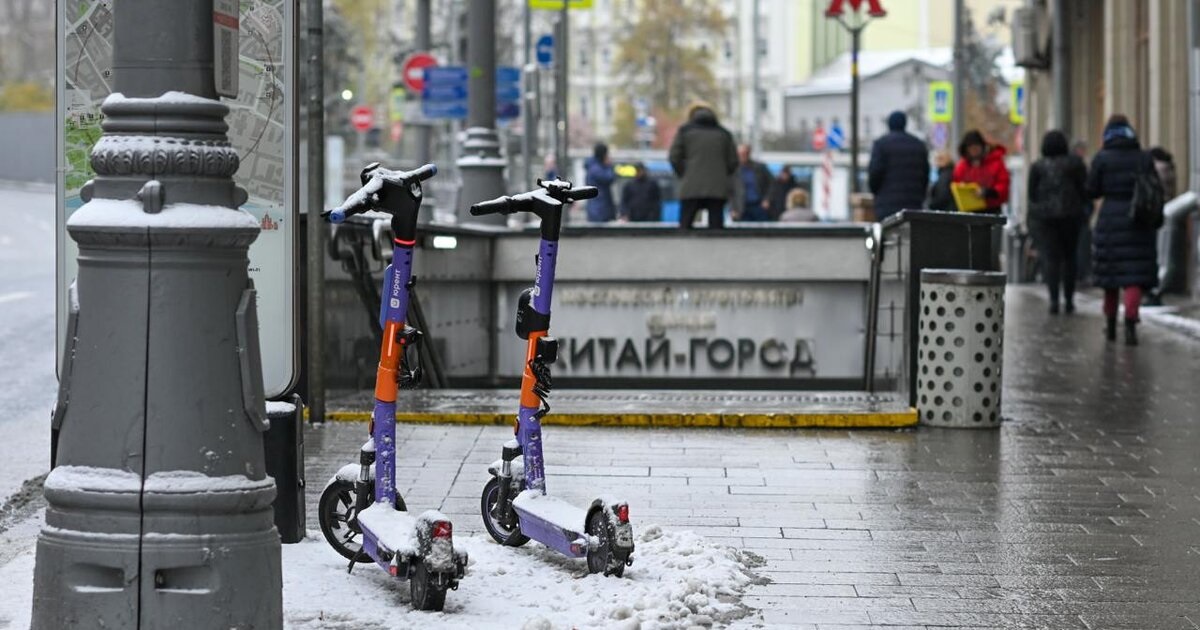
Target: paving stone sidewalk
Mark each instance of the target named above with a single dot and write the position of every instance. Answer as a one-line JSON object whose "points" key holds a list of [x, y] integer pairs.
{"points": [[1081, 511]]}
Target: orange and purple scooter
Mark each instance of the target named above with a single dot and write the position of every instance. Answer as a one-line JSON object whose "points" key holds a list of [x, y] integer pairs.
{"points": [[515, 504]]}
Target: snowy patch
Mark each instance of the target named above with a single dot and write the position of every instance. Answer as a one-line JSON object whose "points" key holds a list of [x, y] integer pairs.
{"points": [[280, 408], [678, 580], [91, 479], [169, 98], [128, 213], [195, 482], [553, 510]]}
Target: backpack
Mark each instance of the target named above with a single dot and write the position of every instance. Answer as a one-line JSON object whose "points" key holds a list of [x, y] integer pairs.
{"points": [[1146, 208], [1054, 198]]}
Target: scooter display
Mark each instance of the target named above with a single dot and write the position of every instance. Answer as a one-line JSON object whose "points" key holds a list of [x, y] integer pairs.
{"points": [[515, 504], [361, 500]]}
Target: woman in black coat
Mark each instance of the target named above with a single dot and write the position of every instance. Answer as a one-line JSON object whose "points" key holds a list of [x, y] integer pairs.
{"points": [[1124, 255], [1056, 193]]}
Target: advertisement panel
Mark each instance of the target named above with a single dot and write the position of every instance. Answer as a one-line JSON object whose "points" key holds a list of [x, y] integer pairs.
{"points": [[261, 128]]}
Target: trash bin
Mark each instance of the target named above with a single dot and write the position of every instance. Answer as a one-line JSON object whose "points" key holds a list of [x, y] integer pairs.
{"points": [[284, 449], [960, 347]]}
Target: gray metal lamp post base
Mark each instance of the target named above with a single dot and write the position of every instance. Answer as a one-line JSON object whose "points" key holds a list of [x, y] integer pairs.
{"points": [[482, 170], [159, 509]]}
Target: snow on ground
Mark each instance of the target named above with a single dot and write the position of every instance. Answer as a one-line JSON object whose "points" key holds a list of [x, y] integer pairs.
{"points": [[678, 580]]}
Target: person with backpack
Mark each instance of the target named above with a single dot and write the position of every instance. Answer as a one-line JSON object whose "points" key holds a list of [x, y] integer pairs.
{"points": [[1124, 240], [1057, 190]]}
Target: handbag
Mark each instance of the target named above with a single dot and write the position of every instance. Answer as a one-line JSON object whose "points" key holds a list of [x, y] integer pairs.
{"points": [[1146, 207]]}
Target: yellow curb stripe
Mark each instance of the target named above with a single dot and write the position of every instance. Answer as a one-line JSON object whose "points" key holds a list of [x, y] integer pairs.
{"points": [[866, 420]]}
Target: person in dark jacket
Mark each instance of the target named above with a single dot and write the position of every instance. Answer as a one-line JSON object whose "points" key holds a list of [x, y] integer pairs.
{"points": [[778, 195], [940, 197], [1124, 254], [983, 164], [600, 174], [641, 200], [703, 156], [898, 174], [1057, 189], [752, 184]]}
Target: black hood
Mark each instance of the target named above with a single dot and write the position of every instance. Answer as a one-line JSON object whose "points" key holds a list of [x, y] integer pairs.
{"points": [[704, 116]]}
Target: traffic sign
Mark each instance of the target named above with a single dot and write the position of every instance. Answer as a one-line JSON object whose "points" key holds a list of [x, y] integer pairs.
{"points": [[396, 107], [940, 135], [819, 139], [362, 117], [1016, 104], [508, 92], [941, 101], [444, 94], [836, 139], [545, 50], [413, 70], [557, 5]]}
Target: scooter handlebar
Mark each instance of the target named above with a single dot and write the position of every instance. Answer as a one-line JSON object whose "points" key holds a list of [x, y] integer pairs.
{"points": [[583, 192], [499, 205], [365, 198]]}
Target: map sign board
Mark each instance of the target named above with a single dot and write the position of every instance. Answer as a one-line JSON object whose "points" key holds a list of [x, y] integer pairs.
{"points": [[262, 123]]}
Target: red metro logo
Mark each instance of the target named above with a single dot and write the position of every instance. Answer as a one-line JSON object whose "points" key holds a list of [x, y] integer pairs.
{"points": [[836, 8]]}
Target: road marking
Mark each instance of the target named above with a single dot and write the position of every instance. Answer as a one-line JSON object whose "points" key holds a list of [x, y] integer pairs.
{"points": [[840, 420], [13, 297]]}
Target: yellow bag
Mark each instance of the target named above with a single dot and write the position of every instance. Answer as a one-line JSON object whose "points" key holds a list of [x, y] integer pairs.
{"points": [[968, 196]]}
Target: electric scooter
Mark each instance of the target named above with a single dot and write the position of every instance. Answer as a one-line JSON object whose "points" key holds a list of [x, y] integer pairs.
{"points": [[362, 499], [514, 505]]}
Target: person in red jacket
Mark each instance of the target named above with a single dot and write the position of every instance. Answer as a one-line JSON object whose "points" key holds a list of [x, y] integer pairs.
{"points": [[983, 165]]}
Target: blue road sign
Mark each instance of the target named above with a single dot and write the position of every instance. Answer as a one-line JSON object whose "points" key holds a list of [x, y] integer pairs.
{"points": [[508, 92], [836, 138], [445, 92], [545, 50]]}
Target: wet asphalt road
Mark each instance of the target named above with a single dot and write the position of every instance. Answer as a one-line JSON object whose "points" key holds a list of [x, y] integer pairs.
{"points": [[1081, 511], [27, 381]]}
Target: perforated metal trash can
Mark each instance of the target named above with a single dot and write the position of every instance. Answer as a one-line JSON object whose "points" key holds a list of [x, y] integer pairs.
{"points": [[960, 348]]}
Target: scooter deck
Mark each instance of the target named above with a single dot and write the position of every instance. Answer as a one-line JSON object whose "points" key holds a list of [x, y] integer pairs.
{"points": [[553, 522], [395, 532]]}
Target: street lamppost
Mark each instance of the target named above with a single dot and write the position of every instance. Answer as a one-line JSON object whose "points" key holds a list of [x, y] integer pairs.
{"points": [[837, 11]]}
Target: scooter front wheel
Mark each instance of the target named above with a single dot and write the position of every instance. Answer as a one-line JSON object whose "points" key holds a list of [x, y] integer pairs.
{"points": [[600, 558], [335, 511], [426, 594], [509, 537]]}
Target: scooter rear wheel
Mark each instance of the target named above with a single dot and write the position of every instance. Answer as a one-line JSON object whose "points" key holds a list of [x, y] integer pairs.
{"points": [[426, 595], [599, 559], [335, 511], [501, 534]]}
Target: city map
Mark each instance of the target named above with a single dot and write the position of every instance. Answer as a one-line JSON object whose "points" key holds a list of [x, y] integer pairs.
{"points": [[260, 128]]}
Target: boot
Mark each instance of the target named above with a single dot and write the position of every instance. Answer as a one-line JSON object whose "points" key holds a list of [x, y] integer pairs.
{"points": [[1131, 332], [1110, 329]]}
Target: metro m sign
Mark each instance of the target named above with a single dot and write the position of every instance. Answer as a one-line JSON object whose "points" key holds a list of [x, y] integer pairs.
{"points": [[874, 9]]}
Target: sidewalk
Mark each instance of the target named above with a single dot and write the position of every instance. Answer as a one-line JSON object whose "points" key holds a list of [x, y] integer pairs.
{"points": [[1080, 512]]}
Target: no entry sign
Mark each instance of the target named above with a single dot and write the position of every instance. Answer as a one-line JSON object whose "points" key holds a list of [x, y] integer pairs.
{"points": [[413, 70], [361, 118]]}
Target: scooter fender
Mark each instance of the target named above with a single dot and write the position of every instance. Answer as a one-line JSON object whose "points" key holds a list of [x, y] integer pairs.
{"points": [[349, 473], [622, 533]]}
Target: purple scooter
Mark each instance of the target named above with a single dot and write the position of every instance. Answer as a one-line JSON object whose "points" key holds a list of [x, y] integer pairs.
{"points": [[514, 504], [361, 499]]}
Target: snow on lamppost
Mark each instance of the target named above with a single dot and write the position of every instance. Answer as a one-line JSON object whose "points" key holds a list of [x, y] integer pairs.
{"points": [[159, 510], [837, 11]]}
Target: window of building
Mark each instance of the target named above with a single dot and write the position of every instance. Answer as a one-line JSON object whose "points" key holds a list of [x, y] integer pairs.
{"points": [[583, 106]]}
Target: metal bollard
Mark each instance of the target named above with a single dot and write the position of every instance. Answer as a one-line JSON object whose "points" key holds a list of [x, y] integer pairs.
{"points": [[960, 349]]}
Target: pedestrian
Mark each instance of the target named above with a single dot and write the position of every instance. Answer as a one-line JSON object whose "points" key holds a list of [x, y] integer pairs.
{"points": [[752, 185], [798, 210], [641, 200], [1124, 253], [777, 197], [550, 168], [1164, 165], [1057, 189], [940, 197], [599, 173], [898, 174], [982, 163], [704, 158]]}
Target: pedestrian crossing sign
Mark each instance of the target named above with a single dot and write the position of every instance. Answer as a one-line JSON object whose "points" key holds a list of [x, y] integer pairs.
{"points": [[941, 101], [1016, 104]]}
